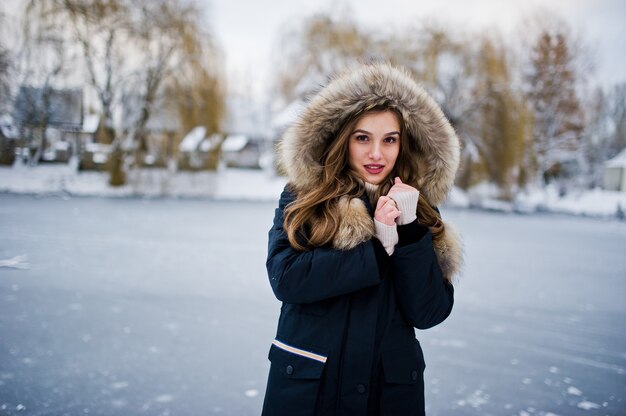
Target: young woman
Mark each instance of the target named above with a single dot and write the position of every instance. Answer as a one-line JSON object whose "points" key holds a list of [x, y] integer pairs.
{"points": [[358, 254]]}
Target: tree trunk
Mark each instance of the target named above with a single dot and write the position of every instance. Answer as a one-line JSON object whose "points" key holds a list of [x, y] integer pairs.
{"points": [[116, 167]]}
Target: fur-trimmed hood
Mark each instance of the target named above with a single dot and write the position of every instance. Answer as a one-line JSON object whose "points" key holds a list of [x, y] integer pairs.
{"points": [[351, 94]]}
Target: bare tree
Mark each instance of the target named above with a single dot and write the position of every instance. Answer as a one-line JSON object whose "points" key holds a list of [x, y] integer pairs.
{"points": [[102, 29], [616, 112], [168, 36], [605, 130], [42, 65], [554, 79], [503, 120], [197, 87], [5, 86], [6, 63], [128, 48], [317, 48]]}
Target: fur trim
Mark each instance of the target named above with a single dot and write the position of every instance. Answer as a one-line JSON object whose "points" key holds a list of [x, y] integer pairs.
{"points": [[449, 251], [356, 91], [356, 224]]}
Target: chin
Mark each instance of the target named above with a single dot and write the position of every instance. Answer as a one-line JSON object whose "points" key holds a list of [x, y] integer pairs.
{"points": [[373, 180]]}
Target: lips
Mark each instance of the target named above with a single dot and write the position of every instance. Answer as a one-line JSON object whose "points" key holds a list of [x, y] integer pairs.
{"points": [[374, 169]]}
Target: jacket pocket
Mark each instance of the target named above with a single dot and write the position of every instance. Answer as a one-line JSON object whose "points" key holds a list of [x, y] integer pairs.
{"points": [[298, 363], [294, 380], [404, 365]]}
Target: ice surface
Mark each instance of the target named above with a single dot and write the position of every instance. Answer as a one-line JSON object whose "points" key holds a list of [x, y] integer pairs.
{"points": [[172, 299], [164, 398]]}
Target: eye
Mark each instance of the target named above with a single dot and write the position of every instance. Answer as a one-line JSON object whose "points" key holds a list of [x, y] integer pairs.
{"points": [[361, 138], [390, 139]]}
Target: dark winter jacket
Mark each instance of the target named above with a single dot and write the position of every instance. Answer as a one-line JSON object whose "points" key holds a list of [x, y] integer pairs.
{"points": [[345, 343]]}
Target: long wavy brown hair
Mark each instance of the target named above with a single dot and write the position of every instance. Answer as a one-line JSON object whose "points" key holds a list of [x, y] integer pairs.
{"points": [[313, 219]]}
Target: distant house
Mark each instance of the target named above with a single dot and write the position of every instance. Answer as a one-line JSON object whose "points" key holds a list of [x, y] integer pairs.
{"points": [[161, 131], [615, 173], [50, 114], [92, 154], [243, 151], [197, 151]]}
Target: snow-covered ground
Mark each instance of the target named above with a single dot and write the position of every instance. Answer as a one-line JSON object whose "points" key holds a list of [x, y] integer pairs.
{"points": [[161, 306], [229, 184], [593, 203], [260, 185]]}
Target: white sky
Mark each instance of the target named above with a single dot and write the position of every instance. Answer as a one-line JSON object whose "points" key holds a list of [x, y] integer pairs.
{"points": [[248, 30]]}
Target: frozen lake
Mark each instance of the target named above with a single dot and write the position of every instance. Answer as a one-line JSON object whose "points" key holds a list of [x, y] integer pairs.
{"points": [[162, 307]]}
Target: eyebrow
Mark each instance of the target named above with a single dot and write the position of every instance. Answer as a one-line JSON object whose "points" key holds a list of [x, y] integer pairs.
{"points": [[367, 132]]}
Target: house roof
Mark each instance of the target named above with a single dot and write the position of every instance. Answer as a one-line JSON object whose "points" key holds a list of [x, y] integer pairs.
{"points": [[193, 139], [234, 143], [90, 123], [618, 161]]}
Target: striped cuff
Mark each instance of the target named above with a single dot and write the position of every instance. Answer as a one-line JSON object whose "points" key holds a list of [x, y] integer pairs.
{"points": [[407, 205], [387, 235]]}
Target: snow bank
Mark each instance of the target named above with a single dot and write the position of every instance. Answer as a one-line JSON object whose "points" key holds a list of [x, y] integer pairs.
{"points": [[230, 184], [259, 185], [596, 202]]}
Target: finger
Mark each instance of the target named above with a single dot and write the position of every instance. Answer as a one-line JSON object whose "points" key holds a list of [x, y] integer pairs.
{"points": [[389, 202], [392, 216], [391, 205], [381, 202], [390, 209]]}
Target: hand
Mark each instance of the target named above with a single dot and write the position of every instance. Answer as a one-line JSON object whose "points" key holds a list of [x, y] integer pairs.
{"points": [[386, 211], [399, 187], [406, 198]]}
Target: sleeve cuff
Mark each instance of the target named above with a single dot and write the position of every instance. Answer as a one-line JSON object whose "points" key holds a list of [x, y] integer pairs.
{"points": [[407, 204], [411, 233], [387, 235]]}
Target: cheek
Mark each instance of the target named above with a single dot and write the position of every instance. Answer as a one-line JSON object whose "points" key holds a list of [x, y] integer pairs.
{"points": [[353, 155], [392, 155]]}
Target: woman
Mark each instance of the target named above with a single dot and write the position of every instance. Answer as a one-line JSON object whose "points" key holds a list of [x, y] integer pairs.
{"points": [[357, 253]]}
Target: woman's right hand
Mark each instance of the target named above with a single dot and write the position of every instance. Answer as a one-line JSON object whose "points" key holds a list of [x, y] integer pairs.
{"points": [[386, 211]]}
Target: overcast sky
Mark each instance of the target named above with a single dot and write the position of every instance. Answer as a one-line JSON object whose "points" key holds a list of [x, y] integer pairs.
{"points": [[248, 30]]}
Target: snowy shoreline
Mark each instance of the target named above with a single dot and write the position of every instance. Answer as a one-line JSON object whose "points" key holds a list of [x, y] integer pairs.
{"points": [[262, 186]]}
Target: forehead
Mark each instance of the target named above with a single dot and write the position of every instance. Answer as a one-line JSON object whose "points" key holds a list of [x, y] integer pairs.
{"points": [[385, 119]]}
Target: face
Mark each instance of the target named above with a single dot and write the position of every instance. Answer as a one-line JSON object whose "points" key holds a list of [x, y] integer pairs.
{"points": [[374, 145]]}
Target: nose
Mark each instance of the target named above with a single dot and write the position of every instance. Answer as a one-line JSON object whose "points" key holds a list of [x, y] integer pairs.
{"points": [[375, 151]]}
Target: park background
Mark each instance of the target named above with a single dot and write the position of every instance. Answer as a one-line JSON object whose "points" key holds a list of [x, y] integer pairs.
{"points": [[138, 183]]}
